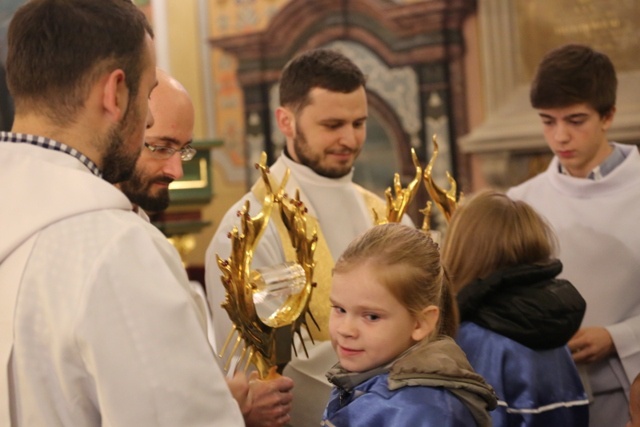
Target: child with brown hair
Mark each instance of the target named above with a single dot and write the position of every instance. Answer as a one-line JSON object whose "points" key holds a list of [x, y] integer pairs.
{"points": [[516, 315], [590, 194], [391, 324]]}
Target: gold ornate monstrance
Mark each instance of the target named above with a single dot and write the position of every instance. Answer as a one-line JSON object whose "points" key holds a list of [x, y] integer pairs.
{"points": [[266, 343]]}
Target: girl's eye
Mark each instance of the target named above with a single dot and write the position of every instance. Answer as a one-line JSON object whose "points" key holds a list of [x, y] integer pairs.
{"points": [[337, 309], [372, 317]]}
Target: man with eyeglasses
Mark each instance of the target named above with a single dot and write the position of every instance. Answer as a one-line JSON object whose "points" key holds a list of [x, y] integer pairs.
{"points": [[171, 134], [166, 146]]}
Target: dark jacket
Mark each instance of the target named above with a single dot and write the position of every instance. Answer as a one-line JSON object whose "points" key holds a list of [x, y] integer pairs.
{"points": [[515, 325], [527, 304]]}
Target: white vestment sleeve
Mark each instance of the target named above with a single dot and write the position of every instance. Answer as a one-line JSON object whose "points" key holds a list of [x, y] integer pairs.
{"points": [[626, 338], [142, 341]]}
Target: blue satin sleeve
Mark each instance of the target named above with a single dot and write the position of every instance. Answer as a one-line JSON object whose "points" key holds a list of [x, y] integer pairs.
{"points": [[535, 388], [376, 406]]}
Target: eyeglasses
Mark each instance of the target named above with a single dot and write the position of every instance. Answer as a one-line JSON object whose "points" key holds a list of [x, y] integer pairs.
{"points": [[164, 153]]}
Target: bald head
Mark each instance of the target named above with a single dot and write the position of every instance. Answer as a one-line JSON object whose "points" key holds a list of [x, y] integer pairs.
{"points": [[173, 115], [172, 110]]}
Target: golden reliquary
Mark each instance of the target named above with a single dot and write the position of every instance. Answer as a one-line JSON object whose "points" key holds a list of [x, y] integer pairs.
{"points": [[266, 342]]}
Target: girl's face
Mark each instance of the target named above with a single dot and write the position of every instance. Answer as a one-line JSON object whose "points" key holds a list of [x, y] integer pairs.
{"points": [[369, 327]]}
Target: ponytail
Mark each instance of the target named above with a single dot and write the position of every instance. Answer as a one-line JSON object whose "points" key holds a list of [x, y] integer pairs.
{"points": [[449, 315]]}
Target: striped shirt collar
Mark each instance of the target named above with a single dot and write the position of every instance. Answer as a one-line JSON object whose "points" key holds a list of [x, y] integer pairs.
{"points": [[50, 144]]}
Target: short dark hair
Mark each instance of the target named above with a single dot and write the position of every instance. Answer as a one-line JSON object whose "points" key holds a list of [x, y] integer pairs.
{"points": [[574, 74], [58, 48], [317, 68]]}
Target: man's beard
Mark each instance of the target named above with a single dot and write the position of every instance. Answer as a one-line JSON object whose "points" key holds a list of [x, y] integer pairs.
{"points": [[313, 160], [138, 190], [118, 164]]}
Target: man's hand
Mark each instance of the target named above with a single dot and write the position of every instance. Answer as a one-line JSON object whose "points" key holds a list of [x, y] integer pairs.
{"points": [[239, 387], [591, 344], [264, 403], [271, 401]]}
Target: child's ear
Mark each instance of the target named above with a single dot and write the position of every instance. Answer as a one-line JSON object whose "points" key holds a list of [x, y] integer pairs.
{"points": [[426, 323]]}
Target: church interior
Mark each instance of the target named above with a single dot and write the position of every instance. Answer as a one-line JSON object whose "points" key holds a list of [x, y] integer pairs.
{"points": [[456, 69]]}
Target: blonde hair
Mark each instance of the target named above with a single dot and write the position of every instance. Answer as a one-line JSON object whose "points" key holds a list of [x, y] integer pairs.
{"points": [[490, 232], [407, 262]]}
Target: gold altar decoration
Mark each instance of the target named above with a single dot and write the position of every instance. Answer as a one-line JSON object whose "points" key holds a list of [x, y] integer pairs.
{"points": [[426, 219], [400, 198], [266, 343], [399, 201], [447, 201]]}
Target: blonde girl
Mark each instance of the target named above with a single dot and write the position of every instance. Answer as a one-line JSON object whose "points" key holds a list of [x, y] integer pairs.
{"points": [[391, 324]]}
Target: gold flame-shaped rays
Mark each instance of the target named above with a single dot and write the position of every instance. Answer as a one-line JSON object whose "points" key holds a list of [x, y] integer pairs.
{"points": [[399, 201], [294, 217], [447, 201]]}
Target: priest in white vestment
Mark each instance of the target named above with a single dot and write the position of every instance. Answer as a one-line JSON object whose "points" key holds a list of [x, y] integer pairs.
{"points": [[323, 116]]}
